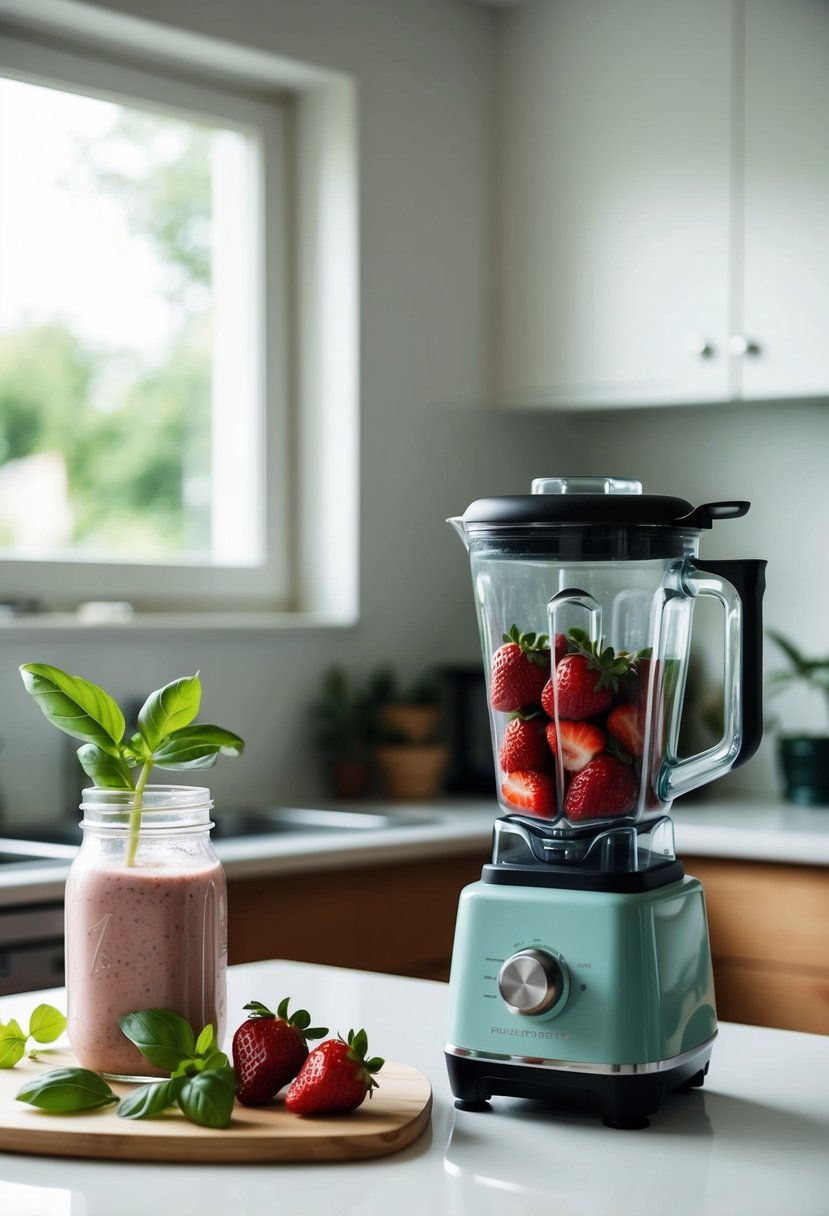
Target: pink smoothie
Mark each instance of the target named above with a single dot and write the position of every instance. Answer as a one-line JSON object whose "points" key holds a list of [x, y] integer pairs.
{"points": [[142, 938]]}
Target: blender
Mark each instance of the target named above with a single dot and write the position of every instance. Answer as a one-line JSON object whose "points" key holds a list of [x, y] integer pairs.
{"points": [[581, 969]]}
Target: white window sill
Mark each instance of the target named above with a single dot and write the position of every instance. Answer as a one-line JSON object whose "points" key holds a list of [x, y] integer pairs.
{"points": [[140, 622]]}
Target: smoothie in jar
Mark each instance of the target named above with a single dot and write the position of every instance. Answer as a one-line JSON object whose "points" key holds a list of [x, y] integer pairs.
{"points": [[142, 939], [150, 935]]}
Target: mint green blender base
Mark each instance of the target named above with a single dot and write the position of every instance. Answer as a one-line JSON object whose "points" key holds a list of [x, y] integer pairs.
{"points": [[636, 1014]]}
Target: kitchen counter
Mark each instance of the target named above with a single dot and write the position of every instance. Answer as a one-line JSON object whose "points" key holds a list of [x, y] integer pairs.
{"points": [[752, 1140], [746, 829]]}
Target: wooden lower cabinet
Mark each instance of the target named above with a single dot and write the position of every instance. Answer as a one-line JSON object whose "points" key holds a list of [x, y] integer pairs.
{"points": [[769, 927], [398, 919]]}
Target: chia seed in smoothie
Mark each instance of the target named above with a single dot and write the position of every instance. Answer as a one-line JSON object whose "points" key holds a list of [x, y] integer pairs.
{"points": [[142, 938]]}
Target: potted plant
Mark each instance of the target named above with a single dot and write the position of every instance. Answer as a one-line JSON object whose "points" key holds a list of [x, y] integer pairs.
{"points": [[410, 756], [804, 756], [343, 724]]}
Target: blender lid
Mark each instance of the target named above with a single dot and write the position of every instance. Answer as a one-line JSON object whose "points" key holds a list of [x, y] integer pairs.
{"points": [[585, 500]]}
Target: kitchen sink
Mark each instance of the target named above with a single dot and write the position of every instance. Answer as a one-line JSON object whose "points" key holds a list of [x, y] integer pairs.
{"points": [[238, 825]]}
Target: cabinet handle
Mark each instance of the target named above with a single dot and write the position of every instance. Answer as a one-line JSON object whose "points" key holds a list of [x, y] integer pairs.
{"points": [[739, 344], [697, 345]]}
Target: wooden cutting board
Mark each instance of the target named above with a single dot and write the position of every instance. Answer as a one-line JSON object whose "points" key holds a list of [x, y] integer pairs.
{"points": [[394, 1117]]}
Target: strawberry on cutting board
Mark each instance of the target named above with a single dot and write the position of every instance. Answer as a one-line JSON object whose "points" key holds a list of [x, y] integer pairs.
{"points": [[520, 669], [335, 1078], [269, 1049]]}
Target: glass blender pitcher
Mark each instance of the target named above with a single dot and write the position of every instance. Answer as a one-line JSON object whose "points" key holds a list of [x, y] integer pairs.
{"points": [[584, 592]]}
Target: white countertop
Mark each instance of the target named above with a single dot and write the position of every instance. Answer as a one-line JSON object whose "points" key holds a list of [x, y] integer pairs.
{"points": [[748, 829], [752, 1141]]}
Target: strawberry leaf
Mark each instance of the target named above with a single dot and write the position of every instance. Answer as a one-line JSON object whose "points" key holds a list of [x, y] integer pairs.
{"points": [[258, 1010]]}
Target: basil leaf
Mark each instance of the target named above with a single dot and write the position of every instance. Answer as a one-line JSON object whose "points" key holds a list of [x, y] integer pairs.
{"points": [[136, 751], [216, 1060], [149, 1100], [163, 1037], [46, 1024], [205, 1041], [67, 1089], [208, 1098], [105, 770], [169, 709], [197, 747], [12, 1043], [75, 706]]}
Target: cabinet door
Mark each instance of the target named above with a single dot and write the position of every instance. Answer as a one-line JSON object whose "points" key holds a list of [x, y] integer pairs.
{"points": [[613, 182], [786, 240]]}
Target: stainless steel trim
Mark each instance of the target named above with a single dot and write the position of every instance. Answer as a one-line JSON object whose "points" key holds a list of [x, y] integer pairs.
{"points": [[623, 1070]]}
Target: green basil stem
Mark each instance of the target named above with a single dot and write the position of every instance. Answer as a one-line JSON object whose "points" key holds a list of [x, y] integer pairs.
{"points": [[135, 812]]}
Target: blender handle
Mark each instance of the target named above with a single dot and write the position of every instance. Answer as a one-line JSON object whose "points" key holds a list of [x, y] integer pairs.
{"points": [[739, 586], [748, 578]]}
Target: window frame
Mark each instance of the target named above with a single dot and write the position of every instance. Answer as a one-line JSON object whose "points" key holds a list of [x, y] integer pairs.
{"points": [[62, 584]]}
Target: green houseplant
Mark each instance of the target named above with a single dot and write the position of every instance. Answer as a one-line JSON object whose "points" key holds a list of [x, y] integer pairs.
{"points": [[343, 720], [804, 757]]}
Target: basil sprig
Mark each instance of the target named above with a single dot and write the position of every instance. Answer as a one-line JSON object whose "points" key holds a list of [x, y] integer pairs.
{"points": [[166, 734], [45, 1025], [202, 1083]]}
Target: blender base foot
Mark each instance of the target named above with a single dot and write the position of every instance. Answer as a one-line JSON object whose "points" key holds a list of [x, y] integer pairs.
{"points": [[624, 1102]]}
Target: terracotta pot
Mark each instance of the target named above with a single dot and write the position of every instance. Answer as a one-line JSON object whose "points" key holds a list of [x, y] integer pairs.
{"points": [[417, 723], [411, 774]]}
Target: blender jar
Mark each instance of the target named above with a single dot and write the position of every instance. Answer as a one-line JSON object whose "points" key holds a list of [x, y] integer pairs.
{"points": [[584, 592]]}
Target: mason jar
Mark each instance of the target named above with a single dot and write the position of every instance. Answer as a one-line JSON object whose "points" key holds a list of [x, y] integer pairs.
{"points": [[146, 926]]}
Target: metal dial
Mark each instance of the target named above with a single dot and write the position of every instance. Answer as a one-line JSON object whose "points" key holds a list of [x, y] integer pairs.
{"points": [[530, 982]]}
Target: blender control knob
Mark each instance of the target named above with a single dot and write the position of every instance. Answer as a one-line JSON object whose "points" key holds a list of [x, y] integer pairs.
{"points": [[530, 982]]}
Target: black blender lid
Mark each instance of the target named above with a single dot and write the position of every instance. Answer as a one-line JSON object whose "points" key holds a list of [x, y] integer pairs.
{"points": [[584, 500]]}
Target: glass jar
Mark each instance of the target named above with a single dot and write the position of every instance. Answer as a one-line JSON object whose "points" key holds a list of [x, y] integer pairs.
{"points": [[147, 931]]}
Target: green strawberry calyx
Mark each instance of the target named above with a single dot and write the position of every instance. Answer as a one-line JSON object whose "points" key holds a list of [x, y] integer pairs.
{"points": [[534, 646], [611, 667], [527, 713], [357, 1048], [300, 1019]]}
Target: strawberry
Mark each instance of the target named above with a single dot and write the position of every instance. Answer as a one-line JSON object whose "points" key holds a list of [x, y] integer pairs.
{"points": [[581, 693], [520, 669], [524, 744], [269, 1050], [531, 792], [580, 742], [626, 723], [335, 1078], [559, 647], [605, 786]]}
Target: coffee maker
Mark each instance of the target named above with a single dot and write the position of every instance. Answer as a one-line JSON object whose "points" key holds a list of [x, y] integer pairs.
{"points": [[581, 970]]}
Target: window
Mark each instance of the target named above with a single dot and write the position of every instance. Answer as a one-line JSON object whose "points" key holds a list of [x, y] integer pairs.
{"points": [[143, 307]]}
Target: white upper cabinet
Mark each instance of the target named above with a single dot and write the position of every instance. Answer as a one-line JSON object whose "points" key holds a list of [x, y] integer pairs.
{"points": [[663, 231], [785, 303]]}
